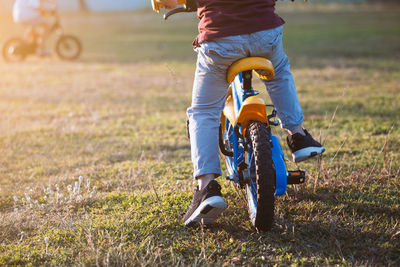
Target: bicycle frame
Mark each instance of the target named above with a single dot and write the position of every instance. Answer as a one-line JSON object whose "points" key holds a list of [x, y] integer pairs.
{"points": [[244, 105], [55, 28]]}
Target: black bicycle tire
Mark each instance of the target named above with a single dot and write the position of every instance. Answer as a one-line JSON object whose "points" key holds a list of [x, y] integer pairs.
{"points": [[60, 40], [258, 134], [5, 53]]}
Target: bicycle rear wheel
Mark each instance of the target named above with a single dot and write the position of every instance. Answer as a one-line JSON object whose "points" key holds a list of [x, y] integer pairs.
{"points": [[261, 189], [68, 47]]}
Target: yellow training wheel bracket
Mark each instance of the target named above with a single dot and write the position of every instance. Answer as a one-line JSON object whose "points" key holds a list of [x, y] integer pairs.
{"points": [[229, 109], [157, 6]]}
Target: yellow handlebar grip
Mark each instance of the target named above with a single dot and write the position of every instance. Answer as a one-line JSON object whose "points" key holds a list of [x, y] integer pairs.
{"points": [[157, 6]]}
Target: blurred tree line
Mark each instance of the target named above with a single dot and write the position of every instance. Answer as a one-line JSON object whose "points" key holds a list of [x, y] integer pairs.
{"points": [[83, 6], [384, 1]]}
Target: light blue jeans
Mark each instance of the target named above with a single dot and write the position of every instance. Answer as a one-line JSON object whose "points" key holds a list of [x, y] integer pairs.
{"points": [[210, 89]]}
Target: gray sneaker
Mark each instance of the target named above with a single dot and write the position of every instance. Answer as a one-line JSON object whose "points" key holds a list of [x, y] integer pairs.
{"points": [[206, 205]]}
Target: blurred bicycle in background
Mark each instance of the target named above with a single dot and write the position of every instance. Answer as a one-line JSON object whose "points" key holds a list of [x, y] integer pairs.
{"points": [[67, 47]]}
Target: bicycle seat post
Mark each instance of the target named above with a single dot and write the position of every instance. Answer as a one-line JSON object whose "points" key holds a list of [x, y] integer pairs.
{"points": [[247, 75]]}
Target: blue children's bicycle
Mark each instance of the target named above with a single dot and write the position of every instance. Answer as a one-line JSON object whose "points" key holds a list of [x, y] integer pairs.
{"points": [[253, 156]]}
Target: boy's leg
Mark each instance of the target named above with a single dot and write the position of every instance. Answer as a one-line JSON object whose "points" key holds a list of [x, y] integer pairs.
{"points": [[39, 32], [44, 34], [283, 93], [282, 89], [30, 34], [208, 99]]}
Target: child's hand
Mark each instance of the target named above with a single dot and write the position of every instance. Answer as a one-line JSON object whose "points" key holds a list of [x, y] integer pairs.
{"points": [[169, 4]]}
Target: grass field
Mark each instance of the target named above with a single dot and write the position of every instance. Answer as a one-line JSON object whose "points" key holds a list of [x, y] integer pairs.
{"points": [[95, 164]]}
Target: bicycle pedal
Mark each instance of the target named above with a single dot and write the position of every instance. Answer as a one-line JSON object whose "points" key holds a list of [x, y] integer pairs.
{"points": [[296, 177]]}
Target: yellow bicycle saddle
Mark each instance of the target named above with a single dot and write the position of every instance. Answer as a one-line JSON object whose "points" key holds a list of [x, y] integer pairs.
{"points": [[262, 66]]}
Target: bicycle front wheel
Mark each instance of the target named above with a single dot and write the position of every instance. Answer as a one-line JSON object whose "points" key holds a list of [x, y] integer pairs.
{"points": [[261, 189], [68, 47], [13, 50]]}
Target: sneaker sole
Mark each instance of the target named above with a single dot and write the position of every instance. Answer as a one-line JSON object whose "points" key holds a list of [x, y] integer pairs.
{"points": [[306, 153], [207, 212]]}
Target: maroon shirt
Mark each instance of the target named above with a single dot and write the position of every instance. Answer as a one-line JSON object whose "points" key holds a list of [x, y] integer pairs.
{"points": [[221, 18]]}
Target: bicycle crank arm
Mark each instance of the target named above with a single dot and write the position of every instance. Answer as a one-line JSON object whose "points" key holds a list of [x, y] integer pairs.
{"points": [[296, 177]]}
